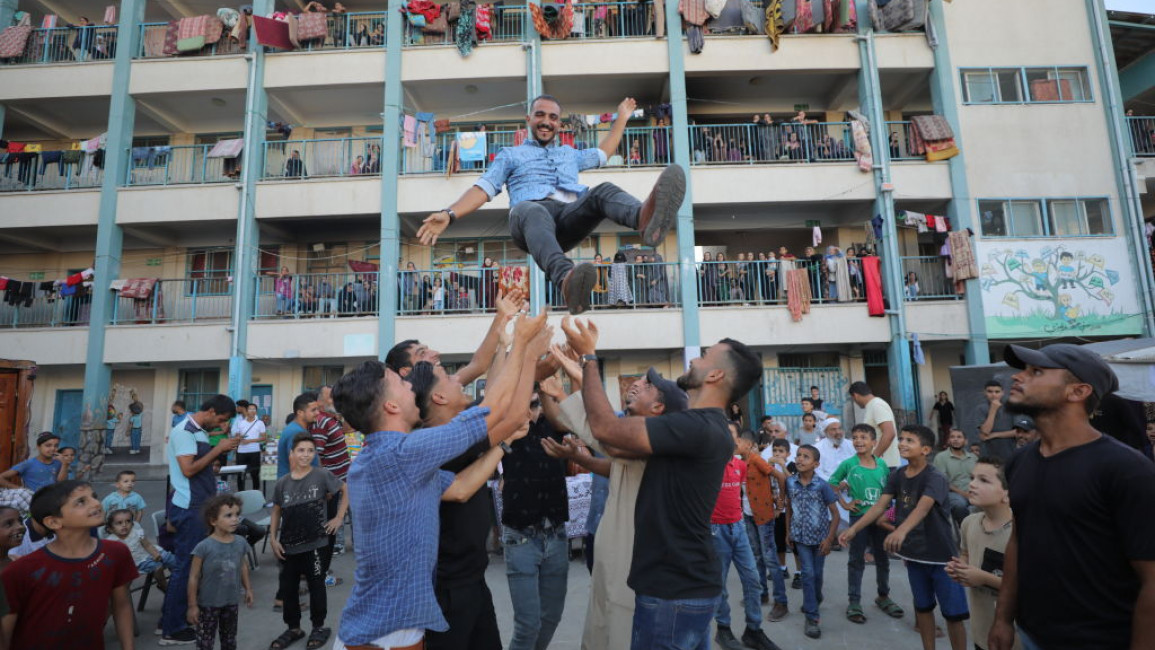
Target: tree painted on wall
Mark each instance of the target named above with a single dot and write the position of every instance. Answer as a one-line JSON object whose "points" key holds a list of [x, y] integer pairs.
{"points": [[1058, 277]]}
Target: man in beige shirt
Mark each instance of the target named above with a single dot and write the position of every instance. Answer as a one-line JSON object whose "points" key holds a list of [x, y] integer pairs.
{"points": [[610, 617], [878, 414]]}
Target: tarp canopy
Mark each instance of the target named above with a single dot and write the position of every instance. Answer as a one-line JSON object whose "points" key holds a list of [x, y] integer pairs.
{"points": [[1133, 361]]}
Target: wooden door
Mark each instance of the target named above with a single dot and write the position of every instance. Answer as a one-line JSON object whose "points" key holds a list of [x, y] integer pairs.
{"points": [[8, 408]]}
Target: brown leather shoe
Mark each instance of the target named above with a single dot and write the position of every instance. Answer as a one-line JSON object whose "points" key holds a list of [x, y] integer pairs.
{"points": [[660, 209], [576, 287]]}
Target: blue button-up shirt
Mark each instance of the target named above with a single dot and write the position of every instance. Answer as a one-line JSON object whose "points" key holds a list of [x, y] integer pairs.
{"points": [[395, 489], [809, 509], [533, 172]]}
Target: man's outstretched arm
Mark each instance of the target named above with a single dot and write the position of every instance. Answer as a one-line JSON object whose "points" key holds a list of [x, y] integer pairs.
{"points": [[609, 144], [436, 223], [507, 308]]}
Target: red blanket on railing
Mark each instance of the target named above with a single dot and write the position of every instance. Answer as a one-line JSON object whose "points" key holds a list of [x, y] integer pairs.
{"points": [[872, 274], [139, 288], [273, 33]]}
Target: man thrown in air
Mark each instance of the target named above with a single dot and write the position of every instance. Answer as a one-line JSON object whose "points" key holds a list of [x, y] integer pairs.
{"points": [[550, 212]]}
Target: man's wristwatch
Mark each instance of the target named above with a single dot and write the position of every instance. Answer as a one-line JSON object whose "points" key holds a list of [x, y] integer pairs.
{"points": [[505, 447], [451, 213], [586, 358]]}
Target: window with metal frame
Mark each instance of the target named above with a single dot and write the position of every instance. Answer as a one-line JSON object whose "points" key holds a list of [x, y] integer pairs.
{"points": [[314, 377], [1026, 85], [197, 385], [210, 272], [1058, 217]]}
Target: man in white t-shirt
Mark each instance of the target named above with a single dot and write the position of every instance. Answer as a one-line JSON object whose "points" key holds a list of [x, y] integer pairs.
{"points": [[252, 432], [878, 414]]}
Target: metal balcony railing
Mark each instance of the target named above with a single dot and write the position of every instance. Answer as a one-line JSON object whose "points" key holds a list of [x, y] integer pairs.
{"points": [[322, 158], [605, 20], [20, 172], [316, 295], [508, 25], [899, 140], [187, 300], [1141, 133], [178, 165], [67, 45], [751, 143], [924, 278]]}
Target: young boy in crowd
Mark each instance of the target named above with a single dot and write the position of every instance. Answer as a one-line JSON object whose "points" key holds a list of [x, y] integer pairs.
{"points": [[12, 531], [42, 469], [809, 433], [124, 498], [67, 456], [783, 459], [812, 519], [299, 534], [924, 536], [42, 614], [863, 477], [979, 565]]}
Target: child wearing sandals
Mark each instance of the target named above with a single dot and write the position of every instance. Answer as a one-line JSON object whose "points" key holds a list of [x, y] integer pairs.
{"points": [[217, 575], [864, 477], [299, 533], [979, 565]]}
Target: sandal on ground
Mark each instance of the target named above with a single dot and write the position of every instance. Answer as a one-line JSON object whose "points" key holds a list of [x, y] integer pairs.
{"points": [[854, 614], [287, 638], [318, 637], [889, 606]]}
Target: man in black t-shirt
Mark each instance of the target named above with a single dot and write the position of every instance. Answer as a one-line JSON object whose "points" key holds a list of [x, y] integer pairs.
{"points": [[1080, 564], [674, 573]]}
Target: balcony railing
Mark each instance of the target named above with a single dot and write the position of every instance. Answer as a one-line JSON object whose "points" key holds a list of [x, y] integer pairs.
{"points": [[68, 45], [1142, 135], [899, 139], [602, 20], [359, 29], [27, 171], [764, 282], [47, 310], [749, 144], [179, 165], [925, 278], [316, 295], [324, 158], [508, 25], [177, 301]]}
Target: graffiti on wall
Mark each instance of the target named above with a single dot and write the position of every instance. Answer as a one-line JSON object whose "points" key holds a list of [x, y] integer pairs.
{"points": [[1057, 289]]}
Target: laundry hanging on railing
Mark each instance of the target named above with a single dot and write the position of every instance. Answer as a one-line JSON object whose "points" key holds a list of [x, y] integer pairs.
{"points": [[227, 148], [22, 292], [139, 288], [471, 147], [272, 33], [150, 157], [899, 15], [931, 135]]}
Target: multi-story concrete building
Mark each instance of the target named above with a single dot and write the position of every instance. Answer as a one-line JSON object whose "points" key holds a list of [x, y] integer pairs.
{"points": [[326, 186]]}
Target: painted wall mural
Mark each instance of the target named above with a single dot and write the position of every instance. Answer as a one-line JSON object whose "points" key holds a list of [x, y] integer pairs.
{"points": [[1057, 288]]}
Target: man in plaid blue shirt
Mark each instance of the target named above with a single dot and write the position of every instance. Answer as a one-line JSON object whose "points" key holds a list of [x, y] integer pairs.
{"points": [[396, 485]]}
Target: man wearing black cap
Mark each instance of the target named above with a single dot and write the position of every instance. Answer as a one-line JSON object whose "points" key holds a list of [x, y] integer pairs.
{"points": [[1025, 432], [1082, 502], [675, 571]]}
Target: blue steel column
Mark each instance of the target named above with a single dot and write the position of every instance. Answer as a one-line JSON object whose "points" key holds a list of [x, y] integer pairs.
{"points": [[945, 102], [248, 234], [1126, 180], [533, 88], [902, 396], [688, 274], [387, 289], [109, 237], [7, 10]]}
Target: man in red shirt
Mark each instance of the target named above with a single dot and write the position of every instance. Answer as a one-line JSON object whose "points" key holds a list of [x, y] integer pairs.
{"points": [[733, 546], [329, 436]]}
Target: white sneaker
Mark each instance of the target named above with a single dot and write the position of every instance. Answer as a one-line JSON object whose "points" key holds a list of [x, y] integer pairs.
{"points": [[134, 451]]}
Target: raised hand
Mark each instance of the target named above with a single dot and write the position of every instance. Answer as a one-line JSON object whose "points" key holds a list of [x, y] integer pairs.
{"points": [[552, 386], [508, 305], [528, 327], [432, 227], [626, 108], [567, 363], [539, 345], [582, 336]]}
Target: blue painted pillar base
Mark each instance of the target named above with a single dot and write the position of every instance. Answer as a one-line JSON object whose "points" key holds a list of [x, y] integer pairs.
{"points": [[539, 285], [240, 377]]}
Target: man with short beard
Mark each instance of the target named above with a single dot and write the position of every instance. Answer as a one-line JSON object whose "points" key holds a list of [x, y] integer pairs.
{"points": [[1079, 569], [551, 212], [609, 618], [675, 570]]}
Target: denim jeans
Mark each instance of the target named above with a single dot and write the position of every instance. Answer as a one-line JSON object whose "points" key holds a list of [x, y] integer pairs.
{"points": [[770, 559], [166, 560], [537, 567], [134, 439], [284, 304], [812, 563], [756, 546], [960, 507], [547, 228], [732, 545], [672, 624], [109, 434], [190, 530], [874, 536]]}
